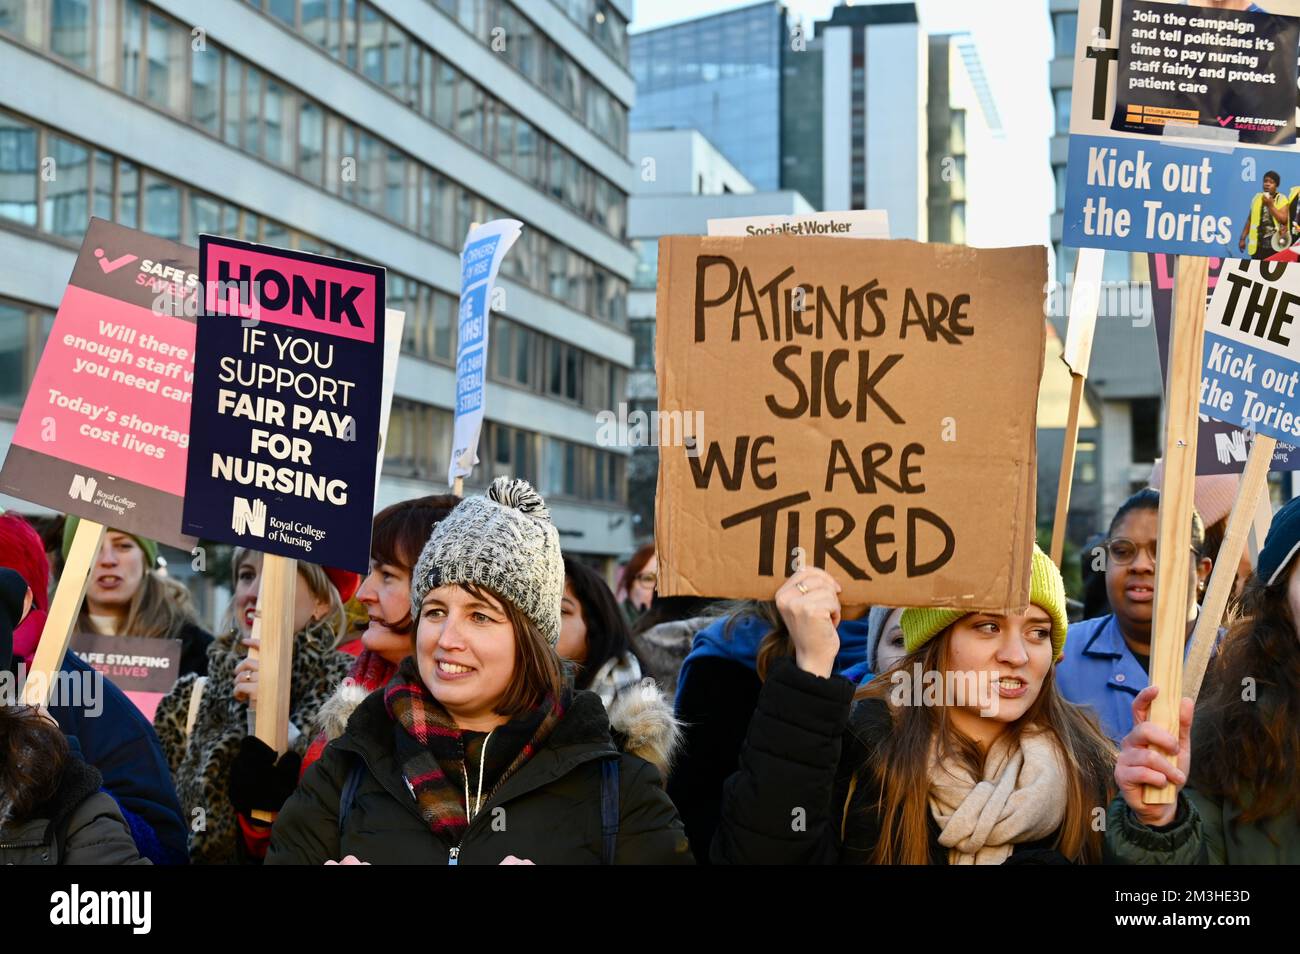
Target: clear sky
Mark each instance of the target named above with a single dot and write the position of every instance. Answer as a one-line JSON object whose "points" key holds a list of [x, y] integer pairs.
{"points": [[1014, 39]]}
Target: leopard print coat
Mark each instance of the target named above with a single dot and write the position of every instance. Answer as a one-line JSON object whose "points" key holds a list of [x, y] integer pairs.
{"points": [[201, 765]]}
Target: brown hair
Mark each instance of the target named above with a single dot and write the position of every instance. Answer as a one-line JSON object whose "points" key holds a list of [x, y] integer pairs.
{"points": [[634, 567], [1248, 750], [398, 536], [33, 753], [538, 671], [901, 764]]}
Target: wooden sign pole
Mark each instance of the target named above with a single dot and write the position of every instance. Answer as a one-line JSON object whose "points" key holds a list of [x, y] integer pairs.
{"points": [[1253, 483], [1085, 295], [65, 607], [1182, 400], [275, 602]]}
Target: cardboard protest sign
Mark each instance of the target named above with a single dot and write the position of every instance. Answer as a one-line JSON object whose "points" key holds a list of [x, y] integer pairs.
{"points": [[144, 669], [817, 366], [1251, 371], [857, 223], [1155, 168], [105, 430], [480, 261], [287, 394], [1226, 69], [1222, 447]]}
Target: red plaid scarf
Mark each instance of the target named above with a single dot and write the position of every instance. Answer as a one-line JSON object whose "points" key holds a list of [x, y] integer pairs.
{"points": [[434, 753]]}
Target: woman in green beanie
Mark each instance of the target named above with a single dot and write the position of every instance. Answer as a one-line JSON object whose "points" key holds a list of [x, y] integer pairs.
{"points": [[964, 754], [127, 597]]}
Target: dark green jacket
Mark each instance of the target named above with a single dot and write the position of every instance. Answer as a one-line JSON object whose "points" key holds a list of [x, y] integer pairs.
{"points": [[548, 812], [80, 825], [1202, 834]]}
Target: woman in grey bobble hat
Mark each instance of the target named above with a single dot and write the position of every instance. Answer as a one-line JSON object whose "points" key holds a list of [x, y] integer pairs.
{"points": [[476, 752]]}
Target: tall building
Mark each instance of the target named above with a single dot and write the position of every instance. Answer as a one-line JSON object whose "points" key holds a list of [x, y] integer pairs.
{"points": [[372, 133], [721, 75], [1123, 389], [685, 181]]}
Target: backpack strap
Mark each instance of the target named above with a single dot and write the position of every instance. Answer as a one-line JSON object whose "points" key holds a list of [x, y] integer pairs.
{"points": [[349, 793], [608, 809]]}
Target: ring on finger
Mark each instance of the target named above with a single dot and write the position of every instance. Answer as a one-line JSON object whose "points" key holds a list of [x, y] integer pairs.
{"points": [[801, 588]]}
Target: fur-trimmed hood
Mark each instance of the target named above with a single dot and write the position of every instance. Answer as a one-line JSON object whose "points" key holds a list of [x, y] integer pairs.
{"points": [[640, 715]]}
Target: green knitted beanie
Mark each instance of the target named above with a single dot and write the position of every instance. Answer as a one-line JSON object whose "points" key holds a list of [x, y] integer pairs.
{"points": [[149, 547], [1046, 590]]}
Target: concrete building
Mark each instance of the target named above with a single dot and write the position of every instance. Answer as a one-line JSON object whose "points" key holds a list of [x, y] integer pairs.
{"points": [[370, 132], [685, 182]]}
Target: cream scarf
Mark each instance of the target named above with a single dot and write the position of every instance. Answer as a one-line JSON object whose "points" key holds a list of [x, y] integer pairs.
{"points": [[1020, 798]]}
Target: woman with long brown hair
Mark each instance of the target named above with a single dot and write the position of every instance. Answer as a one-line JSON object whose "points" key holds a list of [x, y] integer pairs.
{"points": [[1242, 803], [964, 753], [126, 596]]}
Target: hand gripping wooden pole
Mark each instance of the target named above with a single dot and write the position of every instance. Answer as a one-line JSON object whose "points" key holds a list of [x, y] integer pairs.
{"points": [[275, 603], [1173, 535]]}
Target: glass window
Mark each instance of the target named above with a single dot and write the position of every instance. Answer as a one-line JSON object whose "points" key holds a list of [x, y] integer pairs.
{"points": [[372, 44], [107, 40], [253, 109], [205, 217], [643, 339], [469, 113], [1066, 27], [444, 326], [317, 18], [275, 233], [283, 10], [333, 158], [205, 83], [103, 197], [526, 151], [252, 226], [17, 171], [370, 172], [527, 345], [24, 19], [67, 192], [128, 195], [395, 61], [348, 171], [1061, 99], [428, 74], [311, 130], [504, 145], [278, 112], [132, 46], [444, 210], [444, 101], [70, 30], [348, 25], [14, 347], [165, 66], [395, 188], [162, 208], [231, 115]]}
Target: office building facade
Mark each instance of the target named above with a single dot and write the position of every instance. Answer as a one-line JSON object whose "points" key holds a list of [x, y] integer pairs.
{"points": [[374, 132]]}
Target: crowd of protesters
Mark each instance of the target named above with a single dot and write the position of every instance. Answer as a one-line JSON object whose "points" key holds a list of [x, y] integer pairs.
{"points": [[480, 697]]}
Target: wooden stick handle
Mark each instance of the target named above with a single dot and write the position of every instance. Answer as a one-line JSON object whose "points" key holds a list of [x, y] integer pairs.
{"points": [[1182, 400], [1244, 508], [64, 610], [1066, 480], [275, 604]]}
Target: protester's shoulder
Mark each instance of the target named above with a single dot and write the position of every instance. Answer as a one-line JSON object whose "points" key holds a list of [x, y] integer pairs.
{"points": [[192, 634], [1080, 634], [714, 674], [870, 721]]}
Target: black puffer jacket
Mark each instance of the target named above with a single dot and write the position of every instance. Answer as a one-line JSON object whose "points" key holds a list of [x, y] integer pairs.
{"points": [[551, 804], [79, 825], [803, 794]]}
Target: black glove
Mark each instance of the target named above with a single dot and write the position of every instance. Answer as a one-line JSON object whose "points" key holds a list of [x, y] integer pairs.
{"points": [[258, 781]]}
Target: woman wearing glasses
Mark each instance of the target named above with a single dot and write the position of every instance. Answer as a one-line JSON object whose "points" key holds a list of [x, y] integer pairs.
{"points": [[1107, 659]]}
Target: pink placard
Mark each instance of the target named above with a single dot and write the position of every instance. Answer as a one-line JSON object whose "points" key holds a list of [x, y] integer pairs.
{"points": [[307, 295], [112, 391]]}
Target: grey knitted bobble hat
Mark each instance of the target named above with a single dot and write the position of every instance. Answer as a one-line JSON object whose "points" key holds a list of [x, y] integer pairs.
{"points": [[503, 541]]}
